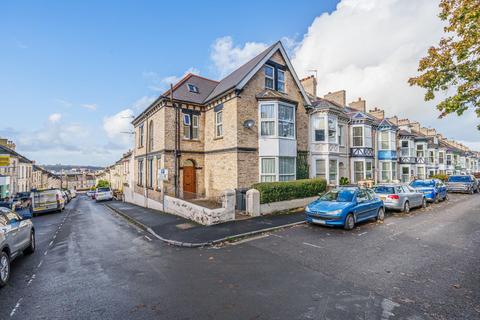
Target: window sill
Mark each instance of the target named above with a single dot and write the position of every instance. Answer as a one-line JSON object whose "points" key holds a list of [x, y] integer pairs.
{"points": [[217, 138], [192, 140]]}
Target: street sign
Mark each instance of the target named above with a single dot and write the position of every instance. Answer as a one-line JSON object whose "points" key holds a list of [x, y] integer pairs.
{"points": [[4, 160], [162, 174]]}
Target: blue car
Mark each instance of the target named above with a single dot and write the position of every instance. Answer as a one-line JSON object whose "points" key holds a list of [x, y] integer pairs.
{"points": [[345, 206], [434, 190]]}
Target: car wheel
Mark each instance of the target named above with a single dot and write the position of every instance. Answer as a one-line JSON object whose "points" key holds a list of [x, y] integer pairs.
{"points": [[31, 248], [4, 268], [349, 222], [380, 214], [424, 203], [406, 207]]}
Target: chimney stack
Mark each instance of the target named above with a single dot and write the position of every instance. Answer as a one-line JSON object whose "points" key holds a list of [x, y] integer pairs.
{"points": [[377, 113], [338, 97], [310, 85], [393, 120], [431, 132], [415, 126], [403, 122], [424, 131], [359, 105]]}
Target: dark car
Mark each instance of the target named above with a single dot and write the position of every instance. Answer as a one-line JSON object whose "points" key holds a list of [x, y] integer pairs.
{"points": [[465, 184], [345, 206]]}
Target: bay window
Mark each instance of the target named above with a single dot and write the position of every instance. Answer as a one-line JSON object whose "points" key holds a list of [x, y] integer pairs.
{"points": [[277, 120], [421, 173], [357, 134], [267, 119], [384, 140], [388, 171], [358, 170], [320, 168], [332, 172], [368, 136], [286, 121], [368, 170], [332, 130], [277, 169], [431, 157], [267, 172], [405, 149], [319, 128], [420, 151], [341, 138], [286, 168]]}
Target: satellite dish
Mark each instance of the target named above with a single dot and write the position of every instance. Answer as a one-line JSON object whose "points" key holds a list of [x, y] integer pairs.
{"points": [[249, 123]]}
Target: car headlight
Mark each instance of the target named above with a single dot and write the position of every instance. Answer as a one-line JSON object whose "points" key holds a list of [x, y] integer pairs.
{"points": [[307, 209], [334, 212]]}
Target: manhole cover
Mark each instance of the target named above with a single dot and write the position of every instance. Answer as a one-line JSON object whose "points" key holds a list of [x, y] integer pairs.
{"points": [[185, 226]]}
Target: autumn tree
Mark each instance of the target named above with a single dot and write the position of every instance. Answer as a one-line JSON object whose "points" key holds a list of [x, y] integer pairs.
{"points": [[453, 67]]}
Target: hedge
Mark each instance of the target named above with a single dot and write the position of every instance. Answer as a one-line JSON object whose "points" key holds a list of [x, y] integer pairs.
{"points": [[288, 190]]}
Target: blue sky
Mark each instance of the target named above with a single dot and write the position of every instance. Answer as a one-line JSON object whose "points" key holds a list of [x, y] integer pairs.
{"points": [[87, 60], [72, 73]]}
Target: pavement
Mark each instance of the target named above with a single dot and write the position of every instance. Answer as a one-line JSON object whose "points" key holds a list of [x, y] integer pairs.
{"points": [[182, 232], [92, 264]]}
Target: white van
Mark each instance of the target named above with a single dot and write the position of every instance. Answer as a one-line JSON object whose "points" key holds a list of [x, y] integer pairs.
{"points": [[47, 201]]}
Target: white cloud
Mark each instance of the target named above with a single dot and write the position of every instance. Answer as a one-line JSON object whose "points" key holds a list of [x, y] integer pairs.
{"points": [[54, 117], [158, 83], [227, 57], [143, 103], [371, 48], [89, 106], [118, 127]]}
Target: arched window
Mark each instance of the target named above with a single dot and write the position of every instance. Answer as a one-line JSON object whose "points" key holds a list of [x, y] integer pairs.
{"points": [[150, 136]]}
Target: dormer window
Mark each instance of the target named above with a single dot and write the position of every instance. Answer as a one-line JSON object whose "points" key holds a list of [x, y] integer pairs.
{"points": [[269, 77], [192, 88]]}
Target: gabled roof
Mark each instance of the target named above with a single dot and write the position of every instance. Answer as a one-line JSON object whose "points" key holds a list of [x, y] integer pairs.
{"points": [[240, 77], [386, 123]]}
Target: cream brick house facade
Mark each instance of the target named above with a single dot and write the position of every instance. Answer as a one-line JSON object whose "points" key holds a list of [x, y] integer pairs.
{"points": [[249, 127]]}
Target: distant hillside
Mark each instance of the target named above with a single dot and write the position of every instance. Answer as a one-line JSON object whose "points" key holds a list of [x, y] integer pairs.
{"points": [[64, 167]]}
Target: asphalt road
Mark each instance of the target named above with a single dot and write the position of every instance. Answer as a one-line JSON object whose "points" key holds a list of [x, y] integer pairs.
{"points": [[92, 264]]}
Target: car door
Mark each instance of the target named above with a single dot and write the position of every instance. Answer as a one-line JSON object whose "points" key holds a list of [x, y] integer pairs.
{"points": [[11, 230], [414, 197], [363, 207], [374, 203]]}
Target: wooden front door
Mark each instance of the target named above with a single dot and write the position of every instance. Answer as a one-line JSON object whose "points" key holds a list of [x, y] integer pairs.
{"points": [[189, 183]]}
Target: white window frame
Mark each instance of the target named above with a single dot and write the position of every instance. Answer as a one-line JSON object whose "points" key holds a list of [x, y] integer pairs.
{"points": [[341, 135], [268, 119], [290, 174], [276, 175], [332, 139], [219, 125], [367, 174], [195, 134], [330, 180], [279, 81], [382, 140], [268, 77], [354, 136], [324, 174], [276, 106]]}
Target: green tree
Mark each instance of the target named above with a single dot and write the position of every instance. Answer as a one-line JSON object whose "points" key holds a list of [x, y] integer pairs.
{"points": [[103, 184], [455, 62]]}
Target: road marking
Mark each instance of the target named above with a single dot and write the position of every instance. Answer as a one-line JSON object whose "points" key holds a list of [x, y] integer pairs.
{"points": [[312, 245], [45, 253], [361, 234], [16, 307], [50, 244], [40, 264], [389, 224], [148, 238], [31, 279]]}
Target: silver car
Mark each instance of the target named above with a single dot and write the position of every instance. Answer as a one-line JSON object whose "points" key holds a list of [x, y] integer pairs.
{"points": [[17, 235], [400, 197]]}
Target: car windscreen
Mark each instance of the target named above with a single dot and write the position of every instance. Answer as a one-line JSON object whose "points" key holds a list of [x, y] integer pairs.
{"points": [[103, 189], [343, 195], [384, 190], [422, 184], [459, 179]]}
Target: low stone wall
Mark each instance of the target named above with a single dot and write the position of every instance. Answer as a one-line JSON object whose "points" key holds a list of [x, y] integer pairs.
{"points": [[187, 209], [254, 208]]}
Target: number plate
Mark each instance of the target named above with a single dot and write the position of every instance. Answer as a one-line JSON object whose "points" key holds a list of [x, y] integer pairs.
{"points": [[318, 221], [383, 198]]}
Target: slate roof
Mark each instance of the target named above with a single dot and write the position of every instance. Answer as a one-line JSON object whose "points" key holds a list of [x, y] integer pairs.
{"points": [[7, 150], [234, 78], [181, 91]]}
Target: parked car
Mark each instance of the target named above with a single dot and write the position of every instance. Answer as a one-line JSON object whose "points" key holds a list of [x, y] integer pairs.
{"points": [[47, 201], [465, 184], [345, 206], [433, 189], [17, 235], [103, 194], [400, 197], [90, 193], [73, 193]]}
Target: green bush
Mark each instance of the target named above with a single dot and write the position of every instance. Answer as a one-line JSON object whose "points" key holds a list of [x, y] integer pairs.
{"points": [[103, 184], [344, 181], [441, 176], [288, 190]]}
